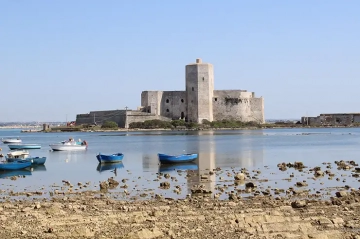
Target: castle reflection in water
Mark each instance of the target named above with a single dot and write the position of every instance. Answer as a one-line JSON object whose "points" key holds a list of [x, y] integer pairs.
{"points": [[224, 151]]}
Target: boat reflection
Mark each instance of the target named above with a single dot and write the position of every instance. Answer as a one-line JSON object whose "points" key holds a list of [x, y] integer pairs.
{"points": [[34, 168], [182, 167], [11, 173], [109, 166]]}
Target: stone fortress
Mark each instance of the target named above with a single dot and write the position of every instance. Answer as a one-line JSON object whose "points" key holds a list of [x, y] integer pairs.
{"points": [[198, 102]]}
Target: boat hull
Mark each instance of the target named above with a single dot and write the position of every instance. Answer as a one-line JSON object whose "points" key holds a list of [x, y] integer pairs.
{"points": [[24, 146], [11, 141], [171, 159], [32, 160], [21, 164], [113, 158], [64, 147]]}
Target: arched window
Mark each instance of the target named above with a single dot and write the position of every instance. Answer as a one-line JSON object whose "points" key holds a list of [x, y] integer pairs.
{"points": [[167, 110], [182, 100], [167, 101]]}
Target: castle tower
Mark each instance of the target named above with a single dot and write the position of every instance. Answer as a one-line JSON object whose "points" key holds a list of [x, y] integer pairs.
{"points": [[199, 91]]}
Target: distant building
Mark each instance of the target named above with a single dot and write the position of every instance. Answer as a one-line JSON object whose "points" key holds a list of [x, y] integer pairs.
{"points": [[339, 119], [198, 102]]}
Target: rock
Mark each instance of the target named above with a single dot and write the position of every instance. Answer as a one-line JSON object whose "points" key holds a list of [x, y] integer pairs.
{"points": [[145, 234], [250, 185], [165, 185], [341, 194], [299, 204], [239, 176]]}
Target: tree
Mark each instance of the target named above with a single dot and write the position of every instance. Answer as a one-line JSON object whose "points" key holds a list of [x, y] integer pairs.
{"points": [[109, 125]]}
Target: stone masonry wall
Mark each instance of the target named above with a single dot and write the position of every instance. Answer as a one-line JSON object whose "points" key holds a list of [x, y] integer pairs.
{"points": [[100, 117], [173, 104], [238, 105]]}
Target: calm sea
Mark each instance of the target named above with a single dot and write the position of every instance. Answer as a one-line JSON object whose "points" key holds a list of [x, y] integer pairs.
{"points": [[229, 149]]}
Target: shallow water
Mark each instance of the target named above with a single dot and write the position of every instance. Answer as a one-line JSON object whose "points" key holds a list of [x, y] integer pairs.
{"points": [[228, 149]]}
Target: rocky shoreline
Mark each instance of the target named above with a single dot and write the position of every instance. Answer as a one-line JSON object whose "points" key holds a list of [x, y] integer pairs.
{"points": [[85, 216], [241, 206]]}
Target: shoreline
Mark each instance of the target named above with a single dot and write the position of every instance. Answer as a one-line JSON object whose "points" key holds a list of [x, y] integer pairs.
{"points": [[241, 205], [198, 129]]}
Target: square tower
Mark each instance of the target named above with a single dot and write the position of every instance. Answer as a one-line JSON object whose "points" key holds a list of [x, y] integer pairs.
{"points": [[199, 91]]}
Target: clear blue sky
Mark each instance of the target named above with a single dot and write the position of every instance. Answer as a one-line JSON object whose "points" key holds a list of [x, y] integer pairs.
{"points": [[66, 57]]}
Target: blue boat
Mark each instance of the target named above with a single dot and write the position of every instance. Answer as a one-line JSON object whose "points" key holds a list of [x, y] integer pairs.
{"points": [[111, 158], [24, 146], [183, 158], [32, 160], [109, 166], [175, 167], [14, 165], [10, 173]]}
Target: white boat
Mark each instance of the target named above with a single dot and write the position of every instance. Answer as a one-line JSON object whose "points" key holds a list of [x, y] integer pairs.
{"points": [[21, 154], [69, 145], [11, 140]]}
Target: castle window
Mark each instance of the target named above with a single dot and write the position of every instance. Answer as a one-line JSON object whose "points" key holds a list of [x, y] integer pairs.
{"points": [[167, 110], [192, 88], [182, 100], [215, 99], [203, 78], [167, 101]]}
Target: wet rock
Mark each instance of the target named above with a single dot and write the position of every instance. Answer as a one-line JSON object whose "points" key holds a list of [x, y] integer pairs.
{"points": [[239, 176], [301, 184], [299, 204], [341, 194], [166, 175], [104, 185], [165, 185], [112, 182], [250, 185]]}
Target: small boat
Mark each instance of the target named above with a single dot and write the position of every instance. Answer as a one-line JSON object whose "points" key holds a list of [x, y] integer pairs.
{"points": [[183, 158], [111, 158], [69, 145], [11, 173], [14, 165], [24, 146], [109, 166], [11, 140], [17, 155], [32, 160], [181, 167]]}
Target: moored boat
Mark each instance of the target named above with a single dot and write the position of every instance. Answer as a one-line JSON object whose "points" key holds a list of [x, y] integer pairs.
{"points": [[32, 160], [69, 145], [24, 146], [11, 140], [182, 158], [110, 158], [20, 164]]}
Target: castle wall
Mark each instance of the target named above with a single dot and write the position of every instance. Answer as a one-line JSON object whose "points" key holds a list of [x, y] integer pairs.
{"points": [[100, 117], [238, 105], [151, 101], [173, 104]]}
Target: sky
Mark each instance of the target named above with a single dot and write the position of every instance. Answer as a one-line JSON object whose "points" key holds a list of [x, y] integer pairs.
{"points": [[62, 58]]}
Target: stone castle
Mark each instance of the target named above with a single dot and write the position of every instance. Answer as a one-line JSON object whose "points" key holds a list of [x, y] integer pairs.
{"points": [[198, 102]]}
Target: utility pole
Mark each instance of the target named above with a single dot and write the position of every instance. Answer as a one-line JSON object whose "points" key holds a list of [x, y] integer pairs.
{"points": [[126, 126]]}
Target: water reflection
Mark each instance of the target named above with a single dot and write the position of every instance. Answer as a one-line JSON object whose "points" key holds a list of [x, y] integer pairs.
{"points": [[109, 167], [175, 167], [19, 172], [34, 168]]}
